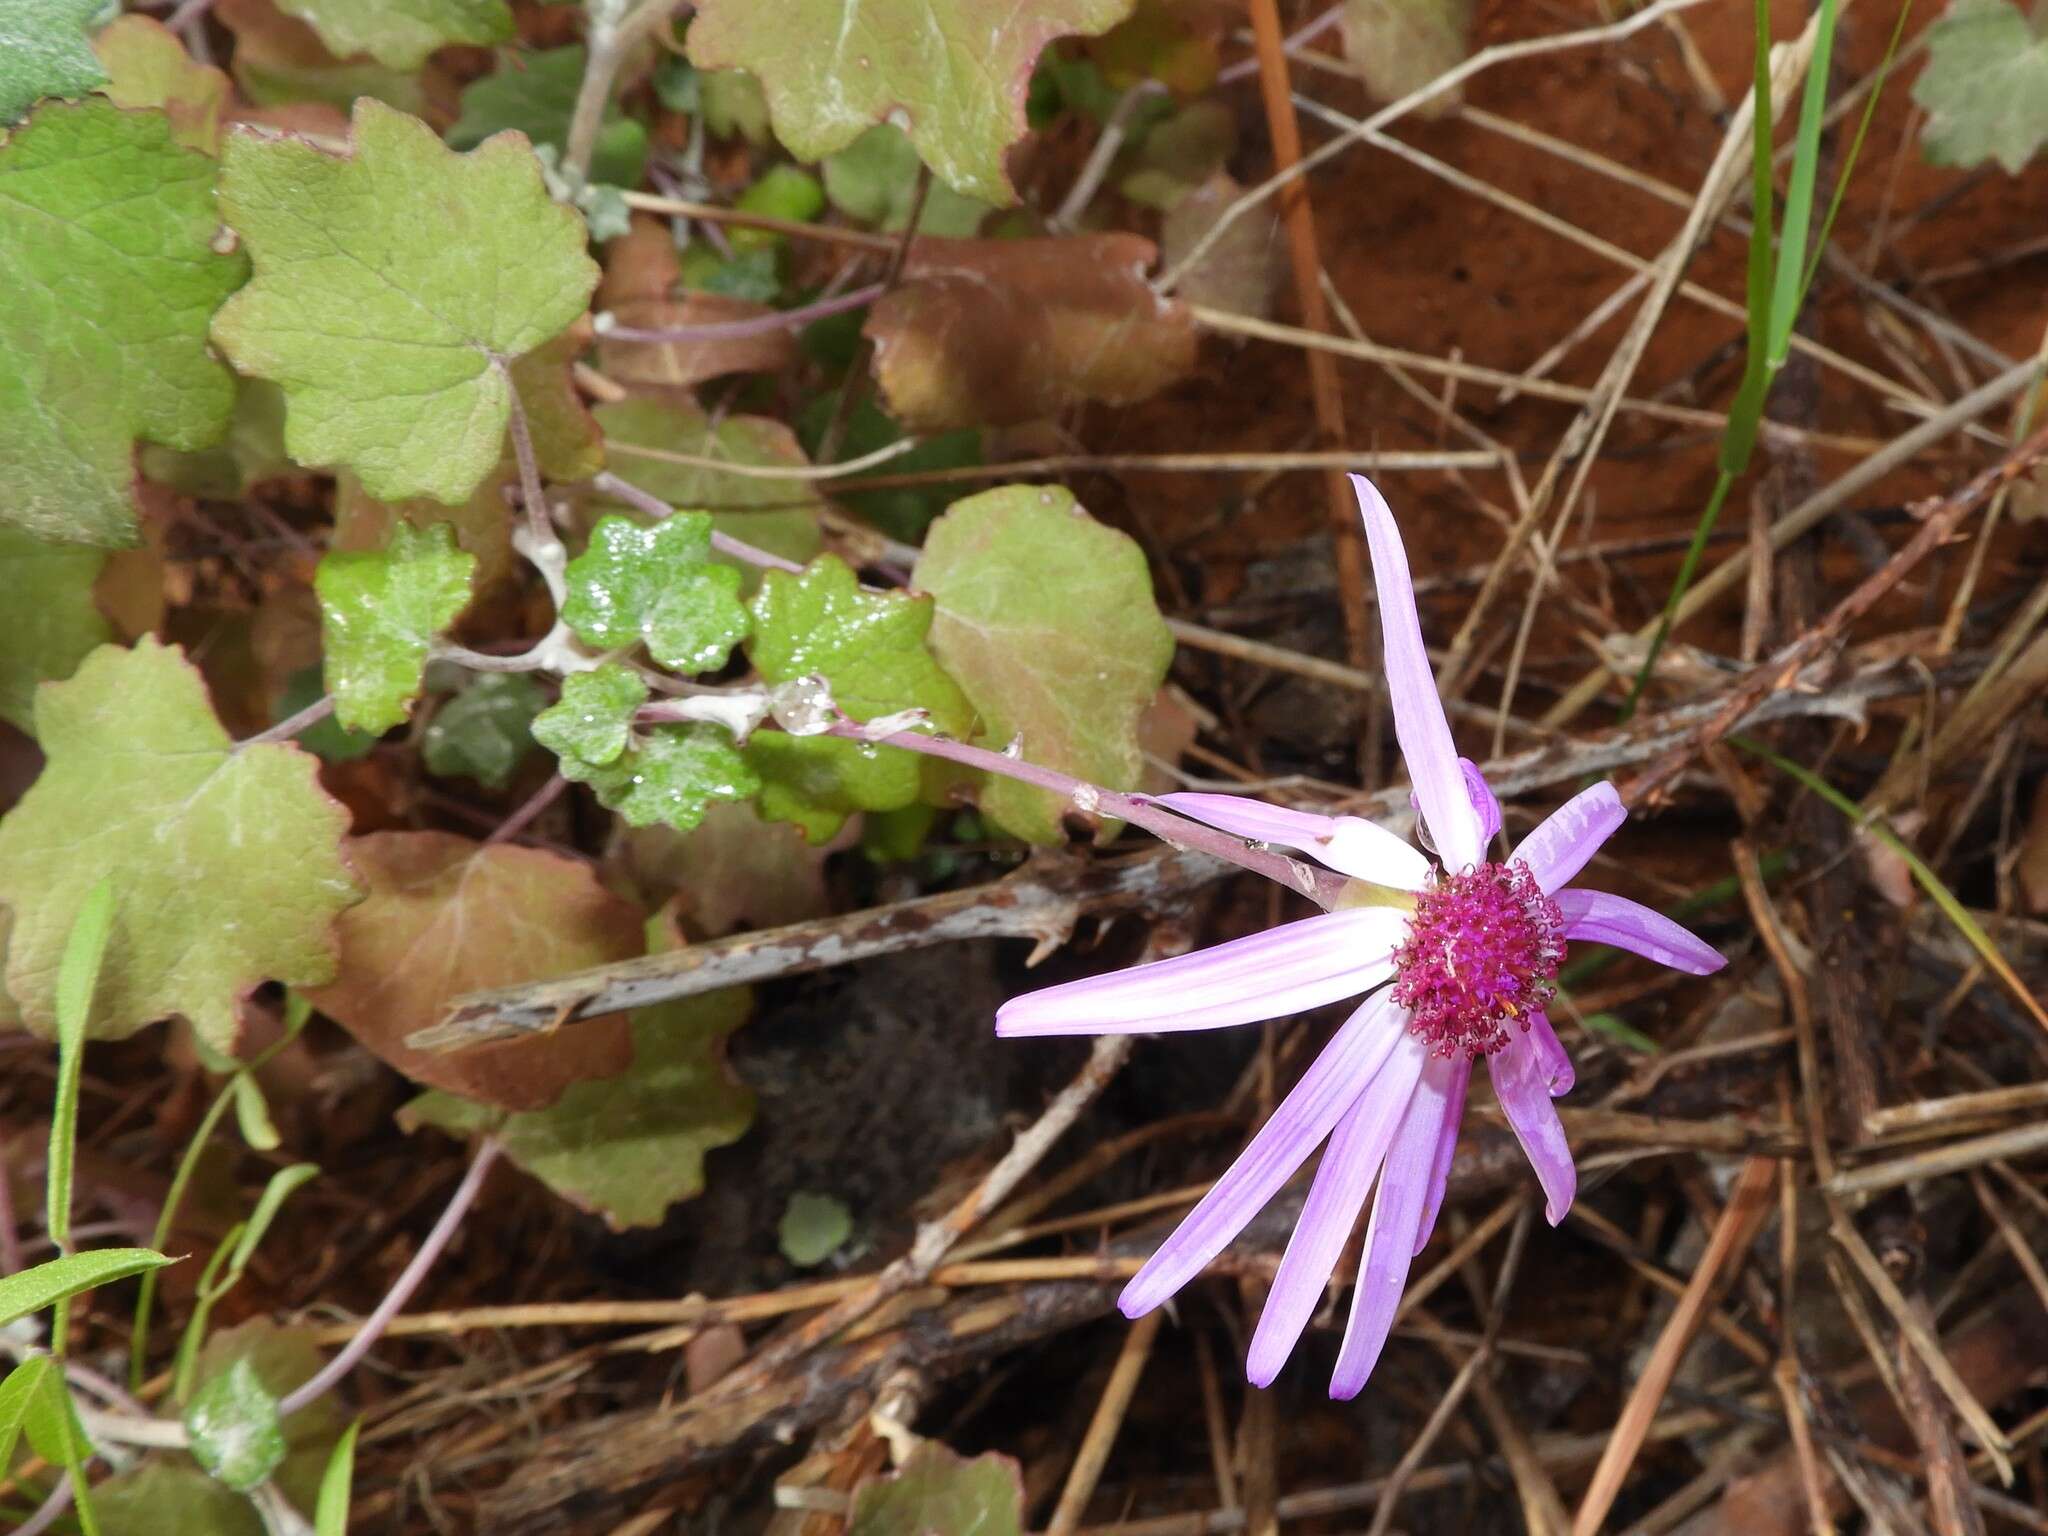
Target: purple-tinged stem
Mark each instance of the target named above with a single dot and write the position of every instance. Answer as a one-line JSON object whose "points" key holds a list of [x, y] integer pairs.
{"points": [[753, 325], [522, 818], [52, 1510], [408, 1281], [292, 724], [646, 501], [538, 525], [1321, 886]]}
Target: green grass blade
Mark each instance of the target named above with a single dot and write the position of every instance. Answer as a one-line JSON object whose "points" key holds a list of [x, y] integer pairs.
{"points": [[78, 972], [330, 1514], [1790, 268], [1972, 931], [1884, 71]]}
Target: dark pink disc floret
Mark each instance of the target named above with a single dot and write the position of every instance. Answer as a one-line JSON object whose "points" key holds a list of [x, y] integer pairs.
{"points": [[1479, 959]]}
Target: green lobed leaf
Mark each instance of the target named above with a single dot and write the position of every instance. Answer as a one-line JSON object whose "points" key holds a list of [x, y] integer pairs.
{"points": [[812, 1228], [593, 722], [161, 1497], [486, 730], [756, 510], [43, 52], [380, 612], [535, 93], [1985, 87], [109, 272], [672, 774], [235, 1430], [957, 69], [399, 34], [31, 1290], [1048, 621], [658, 586], [52, 621], [227, 861], [870, 649], [874, 180], [366, 305], [940, 1490], [628, 1147]]}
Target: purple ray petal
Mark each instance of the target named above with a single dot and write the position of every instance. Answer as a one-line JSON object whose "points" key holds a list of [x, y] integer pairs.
{"points": [[1551, 1058], [1419, 723], [1480, 793], [1310, 1112], [1390, 1235], [1600, 918], [1518, 1081], [1264, 975], [1350, 1163], [1351, 845], [1572, 834], [1446, 1149]]}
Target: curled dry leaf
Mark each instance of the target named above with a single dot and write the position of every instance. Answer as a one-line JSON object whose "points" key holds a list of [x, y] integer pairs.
{"points": [[638, 290], [996, 332], [447, 916]]}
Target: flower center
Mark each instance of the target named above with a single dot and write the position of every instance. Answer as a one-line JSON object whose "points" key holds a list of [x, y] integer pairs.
{"points": [[1479, 958]]}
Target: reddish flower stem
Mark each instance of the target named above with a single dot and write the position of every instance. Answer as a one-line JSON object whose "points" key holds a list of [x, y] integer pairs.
{"points": [[1320, 885]]}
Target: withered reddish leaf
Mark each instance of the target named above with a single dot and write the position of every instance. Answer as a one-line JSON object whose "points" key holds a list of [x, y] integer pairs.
{"points": [[1242, 269], [639, 290], [446, 916], [995, 332]]}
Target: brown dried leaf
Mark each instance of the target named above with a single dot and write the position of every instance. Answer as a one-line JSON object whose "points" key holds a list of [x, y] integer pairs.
{"points": [[734, 871], [995, 332], [639, 290], [1241, 270], [483, 524], [447, 916], [1402, 45]]}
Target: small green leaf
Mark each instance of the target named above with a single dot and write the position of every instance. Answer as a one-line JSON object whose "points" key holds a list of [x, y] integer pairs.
{"points": [[752, 274], [940, 1490], [161, 1497], [52, 621], [34, 1289], [109, 268], [630, 1146], [535, 93], [282, 1359], [874, 180], [671, 774], [486, 730], [395, 364], [812, 1228], [1985, 87], [34, 1398], [1047, 619], [147, 66], [43, 52], [897, 56], [593, 723], [227, 860], [272, 1200], [236, 1433], [870, 649], [330, 1514], [656, 585], [399, 34], [380, 611], [781, 192]]}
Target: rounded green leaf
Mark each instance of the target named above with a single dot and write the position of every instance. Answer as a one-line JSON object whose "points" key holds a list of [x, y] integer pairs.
{"points": [[593, 722], [234, 1427], [1047, 619], [656, 585], [401, 33], [367, 307], [486, 730]]}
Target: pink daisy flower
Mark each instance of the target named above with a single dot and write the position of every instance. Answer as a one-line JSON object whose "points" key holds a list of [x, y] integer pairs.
{"points": [[1457, 961]]}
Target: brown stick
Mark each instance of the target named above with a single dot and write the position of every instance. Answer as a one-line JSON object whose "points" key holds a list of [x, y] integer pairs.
{"points": [[1277, 91]]}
